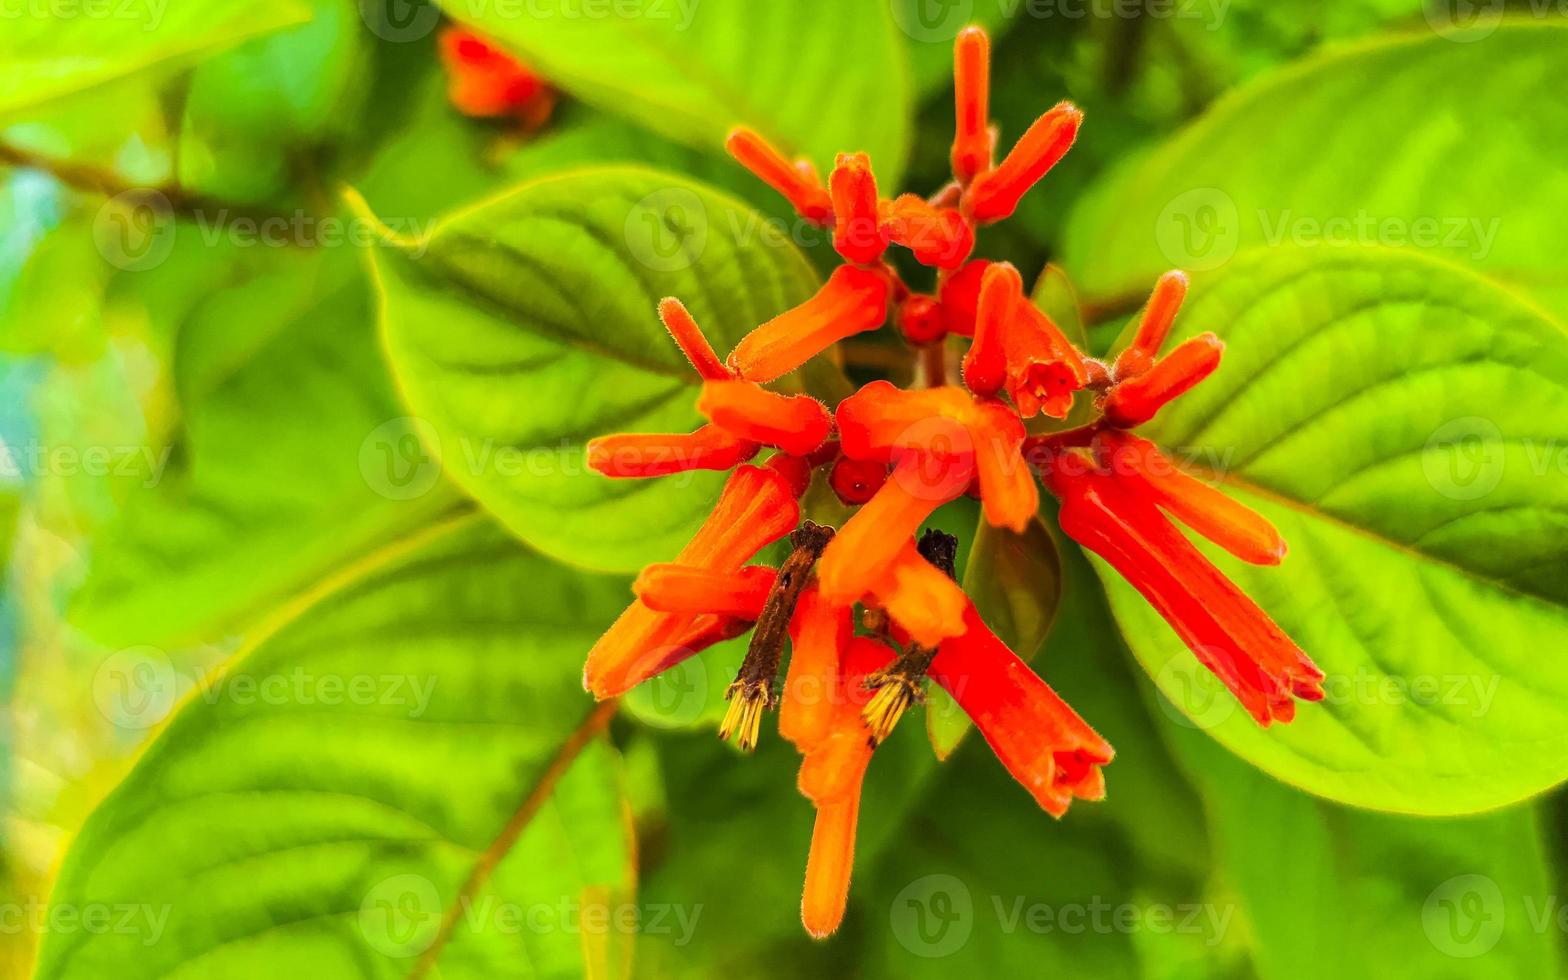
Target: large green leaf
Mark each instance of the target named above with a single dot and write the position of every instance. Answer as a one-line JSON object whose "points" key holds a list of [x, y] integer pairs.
{"points": [[1397, 142], [53, 50], [1401, 421], [406, 777], [818, 77], [1327, 891], [257, 498], [524, 326]]}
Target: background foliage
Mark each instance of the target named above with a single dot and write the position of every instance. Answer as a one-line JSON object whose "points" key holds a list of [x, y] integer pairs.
{"points": [[297, 367]]}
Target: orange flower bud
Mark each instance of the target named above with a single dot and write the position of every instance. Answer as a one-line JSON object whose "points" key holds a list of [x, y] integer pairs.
{"points": [[1135, 401], [1154, 325], [689, 337], [920, 321], [854, 300], [938, 237], [995, 194], [684, 588], [857, 229], [798, 182], [643, 454], [985, 366], [972, 140], [797, 424]]}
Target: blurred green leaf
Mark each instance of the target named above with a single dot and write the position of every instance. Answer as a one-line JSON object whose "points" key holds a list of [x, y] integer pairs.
{"points": [[253, 114], [816, 77], [406, 773], [1396, 143], [1400, 421], [50, 51], [1402, 896], [526, 325], [259, 495], [1015, 581]]}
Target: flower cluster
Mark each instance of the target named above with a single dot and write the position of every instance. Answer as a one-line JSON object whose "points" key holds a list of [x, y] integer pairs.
{"points": [[898, 455], [485, 81]]}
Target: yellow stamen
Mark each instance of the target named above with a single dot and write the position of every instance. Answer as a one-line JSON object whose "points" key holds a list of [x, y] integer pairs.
{"points": [[743, 718], [894, 696]]}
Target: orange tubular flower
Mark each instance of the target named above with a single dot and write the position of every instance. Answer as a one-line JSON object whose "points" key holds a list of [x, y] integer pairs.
{"points": [[819, 635], [938, 237], [972, 141], [922, 601], [797, 424], [644, 454], [881, 420], [1154, 326], [756, 507], [995, 194], [985, 366], [857, 228], [485, 81], [831, 776], [1230, 634], [1135, 401], [1036, 736], [1044, 370], [853, 300], [690, 339], [1008, 495], [1235, 527], [689, 589], [857, 557], [797, 182]]}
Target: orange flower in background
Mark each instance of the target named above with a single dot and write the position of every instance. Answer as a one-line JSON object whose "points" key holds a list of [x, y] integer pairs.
{"points": [[484, 80], [870, 612]]}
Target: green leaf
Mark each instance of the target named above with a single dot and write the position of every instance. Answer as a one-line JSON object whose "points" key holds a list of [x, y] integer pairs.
{"points": [[1400, 896], [256, 497], [524, 326], [816, 77], [406, 773], [1383, 146], [1400, 421], [1015, 581], [44, 57], [252, 113]]}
